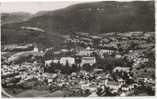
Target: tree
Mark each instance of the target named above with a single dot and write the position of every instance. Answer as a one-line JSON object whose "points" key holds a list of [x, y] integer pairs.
{"points": [[86, 67], [58, 65], [48, 54], [99, 91], [108, 91], [74, 68], [133, 45], [87, 92], [78, 60], [66, 69], [150, 91]]}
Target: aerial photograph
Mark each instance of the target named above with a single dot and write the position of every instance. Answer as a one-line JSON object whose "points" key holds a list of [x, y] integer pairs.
{"points": [[77, 49]]}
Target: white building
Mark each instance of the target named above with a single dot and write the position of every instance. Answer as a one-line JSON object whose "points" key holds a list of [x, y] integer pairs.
{"points": [[119, 69], [36, 49], [118, 56], [88, 60], [48, 62], [93, 94], [70, 60], [105, 51], [85, 53], [113, 85]]}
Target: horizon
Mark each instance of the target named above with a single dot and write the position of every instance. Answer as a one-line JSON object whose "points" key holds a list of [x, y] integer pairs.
{"points": [[35, 7]]}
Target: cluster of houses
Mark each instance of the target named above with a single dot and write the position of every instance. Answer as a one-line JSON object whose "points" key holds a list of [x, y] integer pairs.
{"points": [[28, 62]]}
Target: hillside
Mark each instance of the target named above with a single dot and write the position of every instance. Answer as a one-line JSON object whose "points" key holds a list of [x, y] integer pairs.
{"points": [[99, 17], [14, 17]]}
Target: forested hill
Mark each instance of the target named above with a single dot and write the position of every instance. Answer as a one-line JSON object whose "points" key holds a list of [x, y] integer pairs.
{"points": [[97, 17]]}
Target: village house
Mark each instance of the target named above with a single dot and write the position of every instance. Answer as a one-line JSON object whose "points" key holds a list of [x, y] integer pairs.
{"points": [[105, 40], [36, 49], [75, 40], [85, 52], [126, 88], [110, 46], [104, 51], [144, 46], [127, 34], [141, 60], [107, 51], [137, 33], [56, 52], [69, 60], [85, 39], [113, 84], [88, 60], [148, 34], [127, 93], [118, 56], [49, 62], [121, 69]]}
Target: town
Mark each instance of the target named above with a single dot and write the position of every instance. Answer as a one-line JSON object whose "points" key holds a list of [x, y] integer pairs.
{"points": [[85, 65]]}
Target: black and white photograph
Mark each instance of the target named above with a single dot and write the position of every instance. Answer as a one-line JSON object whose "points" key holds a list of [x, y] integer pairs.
{"points": [[78, 48]]}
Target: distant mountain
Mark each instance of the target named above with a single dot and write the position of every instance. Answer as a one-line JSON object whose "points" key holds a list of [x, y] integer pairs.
{"points": [[97, 17], [14, 17], [40, 13]]}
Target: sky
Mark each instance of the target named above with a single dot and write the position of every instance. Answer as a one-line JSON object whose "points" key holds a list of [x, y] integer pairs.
{"points": [[33, 7], [40, 5]]}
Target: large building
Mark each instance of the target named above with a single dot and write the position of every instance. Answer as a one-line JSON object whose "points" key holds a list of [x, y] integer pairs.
{"points": [[69, 60], [88, 60]]}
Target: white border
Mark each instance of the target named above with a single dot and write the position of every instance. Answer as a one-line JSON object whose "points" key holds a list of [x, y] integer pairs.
{"points": [[136, 97], [69, 0]]}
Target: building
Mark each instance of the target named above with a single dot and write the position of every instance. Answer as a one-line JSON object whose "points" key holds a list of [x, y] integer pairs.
{"points": [[113, 84], [93, 94], [85, 52], [88, 60], [69, 60], [105, 51], [105, 40], [128, 87], [48, 62], [111, 46], [36, 49], [118, 56], [120, 69]]}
